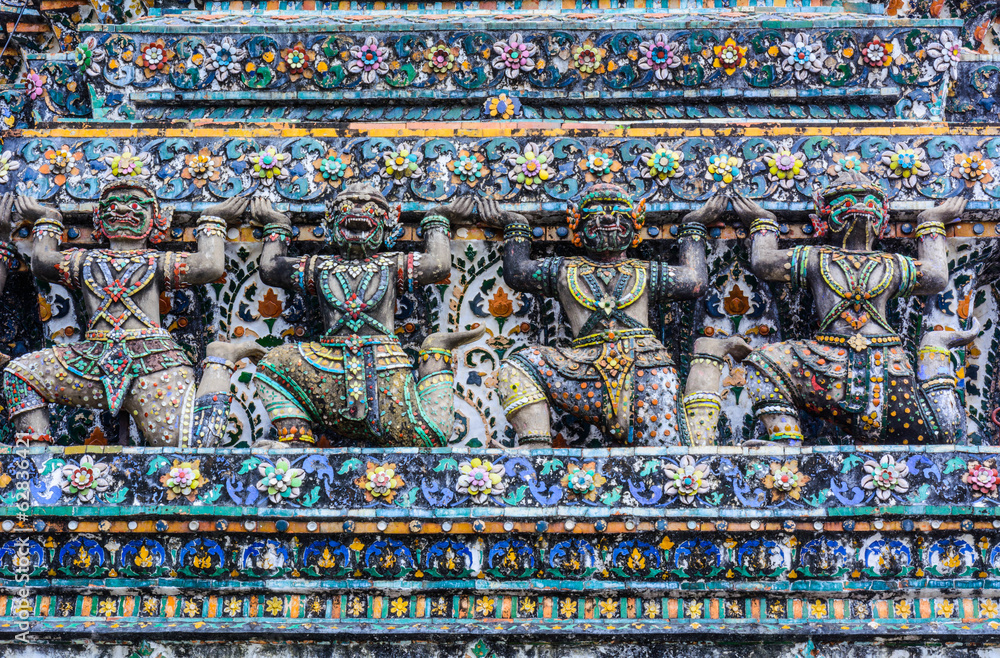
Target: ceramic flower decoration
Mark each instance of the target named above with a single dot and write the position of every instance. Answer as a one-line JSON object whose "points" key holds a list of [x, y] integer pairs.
{"points": [[688, 479], [380, 482], [514, 56], [183, 480], [280, 481], [662, 164], [86, 479], [582, 481], [885, 477], [480, 479], [785, 480], [982, 477]]}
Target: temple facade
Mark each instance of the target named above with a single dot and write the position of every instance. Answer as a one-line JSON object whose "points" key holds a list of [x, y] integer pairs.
{"points": [[499, 329]]}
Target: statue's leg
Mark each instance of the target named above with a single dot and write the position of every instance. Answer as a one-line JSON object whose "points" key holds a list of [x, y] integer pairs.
{"points": [[161, 404], [435, 388], [211, 403], [772, 401], [285, 399], [33, 381], [525, 404], [936, 377], [702, 401]]}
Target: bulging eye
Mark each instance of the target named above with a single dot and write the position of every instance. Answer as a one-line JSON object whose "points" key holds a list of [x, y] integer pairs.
{"points": [[113, 207], [135, 205]]}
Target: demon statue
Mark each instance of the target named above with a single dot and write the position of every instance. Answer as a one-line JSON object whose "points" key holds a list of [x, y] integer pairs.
{"points": [[126, 362], [616, 375], [356, 381], [855, 372]]}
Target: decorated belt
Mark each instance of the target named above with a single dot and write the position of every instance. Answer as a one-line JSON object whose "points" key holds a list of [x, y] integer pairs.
{"points": [[354, 340], [611, 336], [859, 342], [114, 335]]}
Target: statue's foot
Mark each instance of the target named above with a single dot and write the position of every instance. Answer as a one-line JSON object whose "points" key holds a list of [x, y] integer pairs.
{"points": [[734, 346], [4, 360], [247, 349], [270, 444], [445, 340], [949, 339]]}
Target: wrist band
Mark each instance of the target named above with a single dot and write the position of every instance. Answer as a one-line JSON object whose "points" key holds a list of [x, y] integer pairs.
{"points": [[212, 226], [518, 232], [430, 222], [48, 227], [710, 359], [436, 353], [930, 228], [763, 225], [218, 361], [277, 233], [8, 255], [693, 230]]}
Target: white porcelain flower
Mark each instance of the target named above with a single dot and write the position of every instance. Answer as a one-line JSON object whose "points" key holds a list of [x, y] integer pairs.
{"points": [[688, 479], [280, 481], [802, 56], [945, 54], [514, 55], [225, 58], [885, 477], [7, 165]]}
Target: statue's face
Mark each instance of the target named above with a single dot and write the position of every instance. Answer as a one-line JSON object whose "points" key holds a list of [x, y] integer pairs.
{"points": [[127, 213], [357, 224], [856, 211], [606, 226]]}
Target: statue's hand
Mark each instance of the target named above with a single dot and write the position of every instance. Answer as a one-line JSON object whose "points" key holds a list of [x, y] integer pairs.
{"points": [[493, 215], [6, 206], [264, 212], [709, 212], [748, 210], [949, 211], [30, 211], [231, 210], [458, 210]]}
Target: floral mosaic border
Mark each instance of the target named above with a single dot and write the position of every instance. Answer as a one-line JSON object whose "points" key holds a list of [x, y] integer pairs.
{"points": [[521, 163], [719, 483], [488, 614]]}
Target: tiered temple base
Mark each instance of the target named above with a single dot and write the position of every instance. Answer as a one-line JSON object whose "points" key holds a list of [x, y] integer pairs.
{"points": [[645, 547]]}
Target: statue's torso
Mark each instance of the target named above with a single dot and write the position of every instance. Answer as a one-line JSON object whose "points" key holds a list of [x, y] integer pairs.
{"points": [[852, 289], [604, 296], [358, 296], [121, 289]]}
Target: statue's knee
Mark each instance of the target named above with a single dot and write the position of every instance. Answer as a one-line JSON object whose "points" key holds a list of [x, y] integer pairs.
{"points": [[19, 396], [516, 388]]}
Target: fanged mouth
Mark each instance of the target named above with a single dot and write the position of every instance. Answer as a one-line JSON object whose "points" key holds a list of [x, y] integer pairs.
{"points": [[619, 228], [126, 220], [356, 227]]}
